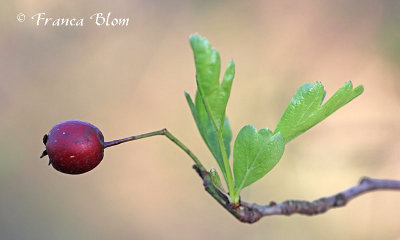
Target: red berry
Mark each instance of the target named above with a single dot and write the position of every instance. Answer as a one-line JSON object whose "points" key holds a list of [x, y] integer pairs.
{"points": [[74, 147]]}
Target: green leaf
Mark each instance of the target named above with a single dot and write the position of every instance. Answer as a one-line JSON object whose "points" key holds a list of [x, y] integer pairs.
{"points": [[208, 132], [209, 127], [305, 109], [255, 154], [208, 66], [216, 179]]}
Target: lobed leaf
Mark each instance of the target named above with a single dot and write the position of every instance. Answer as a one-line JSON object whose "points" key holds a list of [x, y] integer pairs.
{"points": [[208, 132], [214, 95], [255, 154], [305, 110]]}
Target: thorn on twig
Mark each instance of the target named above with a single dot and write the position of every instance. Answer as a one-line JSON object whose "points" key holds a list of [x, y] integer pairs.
{"points": [[365, 180]]}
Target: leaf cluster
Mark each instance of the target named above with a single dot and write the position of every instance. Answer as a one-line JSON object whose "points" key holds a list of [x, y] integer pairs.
{"points": [[255, 152]]}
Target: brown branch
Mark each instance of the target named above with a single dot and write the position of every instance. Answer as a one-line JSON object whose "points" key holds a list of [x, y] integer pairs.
{"points": [[252, 212], [323, 204]]}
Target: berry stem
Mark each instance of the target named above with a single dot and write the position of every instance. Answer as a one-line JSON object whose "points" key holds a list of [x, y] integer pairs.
{"points": [[128, 139], [166, 133]]}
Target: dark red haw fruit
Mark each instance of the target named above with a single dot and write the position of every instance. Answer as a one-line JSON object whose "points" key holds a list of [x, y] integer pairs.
{"points": [[74, 147]]}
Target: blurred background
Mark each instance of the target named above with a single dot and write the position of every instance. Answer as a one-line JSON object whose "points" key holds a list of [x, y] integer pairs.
{"points": [[130, 80]]}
